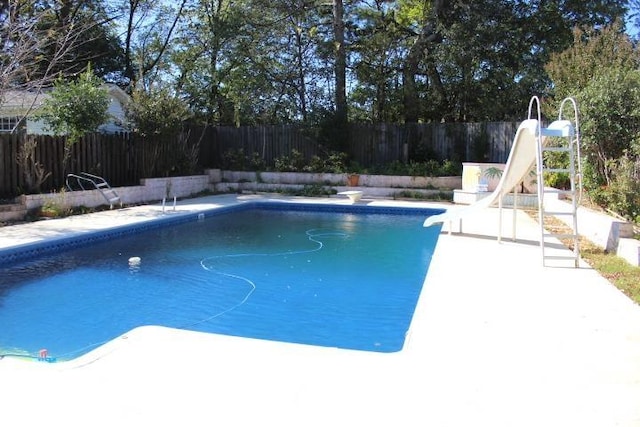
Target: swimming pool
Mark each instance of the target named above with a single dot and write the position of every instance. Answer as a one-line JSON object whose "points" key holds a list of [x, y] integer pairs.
{"points": [[345, 277]]}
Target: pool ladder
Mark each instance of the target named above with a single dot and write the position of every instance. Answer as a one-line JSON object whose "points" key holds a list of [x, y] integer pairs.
{"points": [[97, 183]]}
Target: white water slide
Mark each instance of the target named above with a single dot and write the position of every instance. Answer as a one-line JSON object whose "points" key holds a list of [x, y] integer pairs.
{"points": [[528, 141]]}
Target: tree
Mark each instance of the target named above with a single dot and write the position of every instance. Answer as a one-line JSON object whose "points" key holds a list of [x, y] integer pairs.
{"points": [[276, 57], [149, 30], [611, 140], [484, 59], [156, 113], [204, 59], [610, 107], [289, 57], [377, 56], [634, 18], [601, 71], [70, 34], [426, 34], [158, 116], [32, 52], [258, 61], [251, 61], [75, 108], [98, 43], [340, 61], [593, 50]]}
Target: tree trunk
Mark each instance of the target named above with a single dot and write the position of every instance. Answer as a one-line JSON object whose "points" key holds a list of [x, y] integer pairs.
{"points": [[341, 61], [428, 34]]}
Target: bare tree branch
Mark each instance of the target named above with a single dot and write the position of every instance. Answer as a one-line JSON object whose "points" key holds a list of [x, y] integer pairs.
{"points": [[33, 52]]}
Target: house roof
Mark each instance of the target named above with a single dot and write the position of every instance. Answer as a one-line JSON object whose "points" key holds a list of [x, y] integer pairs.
{"points": [[19, 102], [119, 94]]}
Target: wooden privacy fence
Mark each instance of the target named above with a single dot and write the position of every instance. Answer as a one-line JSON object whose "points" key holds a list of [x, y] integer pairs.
{"points": [[378, 144], [116, 156], [266, 142], [373, 145], [123, 159]]}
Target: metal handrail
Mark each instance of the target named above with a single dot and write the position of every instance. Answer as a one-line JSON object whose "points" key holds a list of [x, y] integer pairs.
{"points": [[97, 182], [79, 180], [576, 141]]}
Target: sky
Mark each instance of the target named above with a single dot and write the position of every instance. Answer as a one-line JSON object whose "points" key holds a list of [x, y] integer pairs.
{"points": [[633, 18]]}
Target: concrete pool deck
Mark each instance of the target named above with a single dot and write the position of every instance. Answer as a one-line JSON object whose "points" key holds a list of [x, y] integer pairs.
{"points": [[496, 340]]}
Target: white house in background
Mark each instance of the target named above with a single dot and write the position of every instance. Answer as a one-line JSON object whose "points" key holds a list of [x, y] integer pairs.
{"points": [[17, 104]]}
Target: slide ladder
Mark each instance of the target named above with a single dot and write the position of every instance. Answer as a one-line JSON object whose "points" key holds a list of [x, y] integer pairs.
{"points": [[561, 137], [95, 182]]}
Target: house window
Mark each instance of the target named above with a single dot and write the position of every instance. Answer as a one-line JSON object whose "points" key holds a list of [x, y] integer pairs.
{"points": [[10, 124]]}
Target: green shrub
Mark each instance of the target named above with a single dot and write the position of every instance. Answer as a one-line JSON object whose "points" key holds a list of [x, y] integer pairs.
{"points": [[316, 164], [438, 196], [336, 162], [450, 168], [623, 194], [156, 113], [610, 106], [291, 163], [55, 207], [257, 162], [311, 190], [75, 108], [395, 168], [234, 160], [431, 168]]}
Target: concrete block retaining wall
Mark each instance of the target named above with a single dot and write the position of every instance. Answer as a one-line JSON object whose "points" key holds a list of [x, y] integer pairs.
{"points": [[612, 234], [89, 198], [371, 185], [525, 200], [340, 179], [183, 186], [150, 190], [155, 189], [441, 183]]}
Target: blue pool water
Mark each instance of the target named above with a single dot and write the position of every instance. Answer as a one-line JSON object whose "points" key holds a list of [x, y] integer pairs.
{"points": [[339, 279]]}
